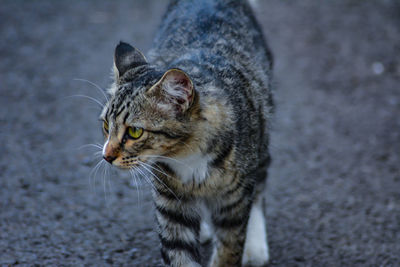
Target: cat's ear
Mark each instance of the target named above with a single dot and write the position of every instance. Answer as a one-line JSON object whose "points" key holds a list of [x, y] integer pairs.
{"points": [[125, 58], [175, 91]]}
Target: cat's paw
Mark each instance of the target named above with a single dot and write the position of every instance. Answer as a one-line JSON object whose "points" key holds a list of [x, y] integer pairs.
{"points": [[259, 259], [255, 254]]}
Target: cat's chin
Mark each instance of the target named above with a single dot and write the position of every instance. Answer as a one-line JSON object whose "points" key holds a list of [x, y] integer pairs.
{"points": [[123, 166]]}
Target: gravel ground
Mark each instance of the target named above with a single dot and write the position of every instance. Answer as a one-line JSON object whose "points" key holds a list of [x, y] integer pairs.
{"points": [[334, 185]]}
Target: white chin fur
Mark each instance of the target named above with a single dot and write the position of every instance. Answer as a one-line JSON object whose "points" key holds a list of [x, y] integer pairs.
{"points": [[194, 166]]}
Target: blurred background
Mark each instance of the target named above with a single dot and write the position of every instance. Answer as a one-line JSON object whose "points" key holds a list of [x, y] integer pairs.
{"points": [[334, 185]]}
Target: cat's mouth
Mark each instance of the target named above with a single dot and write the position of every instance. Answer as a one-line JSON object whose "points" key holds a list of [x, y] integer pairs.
{"points": [[130, 162], [124, 162]]}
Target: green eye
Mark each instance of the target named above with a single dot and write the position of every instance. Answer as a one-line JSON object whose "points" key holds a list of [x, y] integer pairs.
{"points": [[134, 132], [105, 126]]}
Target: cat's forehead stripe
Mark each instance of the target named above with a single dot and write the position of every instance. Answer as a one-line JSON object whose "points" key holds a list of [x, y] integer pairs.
{"points": [[125, 117], [128, 91]]}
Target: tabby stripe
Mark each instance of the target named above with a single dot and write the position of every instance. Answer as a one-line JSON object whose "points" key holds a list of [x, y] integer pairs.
{"points": [[165, 257], [235, 203], [171, 136], [108, 113], [219, 160], [166, 168], [119, 111], [163, 192], [181, 245], [229, 222], [126, 117], [234, 189], [167, 194], [247, 95], [188, 221]]}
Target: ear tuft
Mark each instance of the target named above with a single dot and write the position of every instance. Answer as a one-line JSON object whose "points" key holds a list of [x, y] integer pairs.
{"points": [[177, 90], [127, 57]]}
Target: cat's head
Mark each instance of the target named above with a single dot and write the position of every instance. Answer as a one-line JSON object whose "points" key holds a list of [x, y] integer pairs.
{"points": [[150, 112]]}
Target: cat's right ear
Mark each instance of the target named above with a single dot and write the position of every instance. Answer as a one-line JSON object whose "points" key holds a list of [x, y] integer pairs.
{"points": [[126, 57], [174, 92]]}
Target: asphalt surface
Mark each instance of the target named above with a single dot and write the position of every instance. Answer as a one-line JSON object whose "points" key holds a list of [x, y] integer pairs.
{"points": [[334, 185]]}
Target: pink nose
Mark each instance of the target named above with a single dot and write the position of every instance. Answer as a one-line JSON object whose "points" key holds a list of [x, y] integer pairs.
{"points": [[111, 152]]}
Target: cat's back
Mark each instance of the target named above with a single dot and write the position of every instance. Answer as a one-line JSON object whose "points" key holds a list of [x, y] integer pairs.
{"points": [[208, 30]]}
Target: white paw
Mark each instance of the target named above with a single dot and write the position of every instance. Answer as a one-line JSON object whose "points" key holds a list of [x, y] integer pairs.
{"points": [[256, 255], [256, 246]]}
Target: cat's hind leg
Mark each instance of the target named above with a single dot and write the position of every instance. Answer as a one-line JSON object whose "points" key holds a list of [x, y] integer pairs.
{"points": [[256, 245]]}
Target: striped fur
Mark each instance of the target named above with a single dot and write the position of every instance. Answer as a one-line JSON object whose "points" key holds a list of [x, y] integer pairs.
{"points": [[204, 102]]}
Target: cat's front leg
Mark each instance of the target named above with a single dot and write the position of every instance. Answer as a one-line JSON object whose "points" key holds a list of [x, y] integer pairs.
{"points": [[230, 221], [230, 242], [179, 227]]}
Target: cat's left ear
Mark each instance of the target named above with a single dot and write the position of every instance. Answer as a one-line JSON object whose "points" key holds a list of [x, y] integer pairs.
{"points": [[126, 57], [175, 91]]}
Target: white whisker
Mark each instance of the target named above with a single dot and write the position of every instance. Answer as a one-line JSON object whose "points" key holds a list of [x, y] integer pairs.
{"points": [[90, 145], [104, 186], [98, 153], [154, 168], [88, 97], [93, 172], [135, 179], [146, 178], [158, 179], [109, 178], [95, 85], [163, 157], [97, 171]]}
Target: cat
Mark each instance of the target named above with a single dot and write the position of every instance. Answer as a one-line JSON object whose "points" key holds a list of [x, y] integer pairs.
{"points": [[196, 115]]}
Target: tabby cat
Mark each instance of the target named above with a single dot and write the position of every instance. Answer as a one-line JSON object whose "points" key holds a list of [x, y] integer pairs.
{"points": [[196, 113]]}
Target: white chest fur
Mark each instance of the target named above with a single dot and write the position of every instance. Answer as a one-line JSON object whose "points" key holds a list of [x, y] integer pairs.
{"points": [[191, 168]]}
